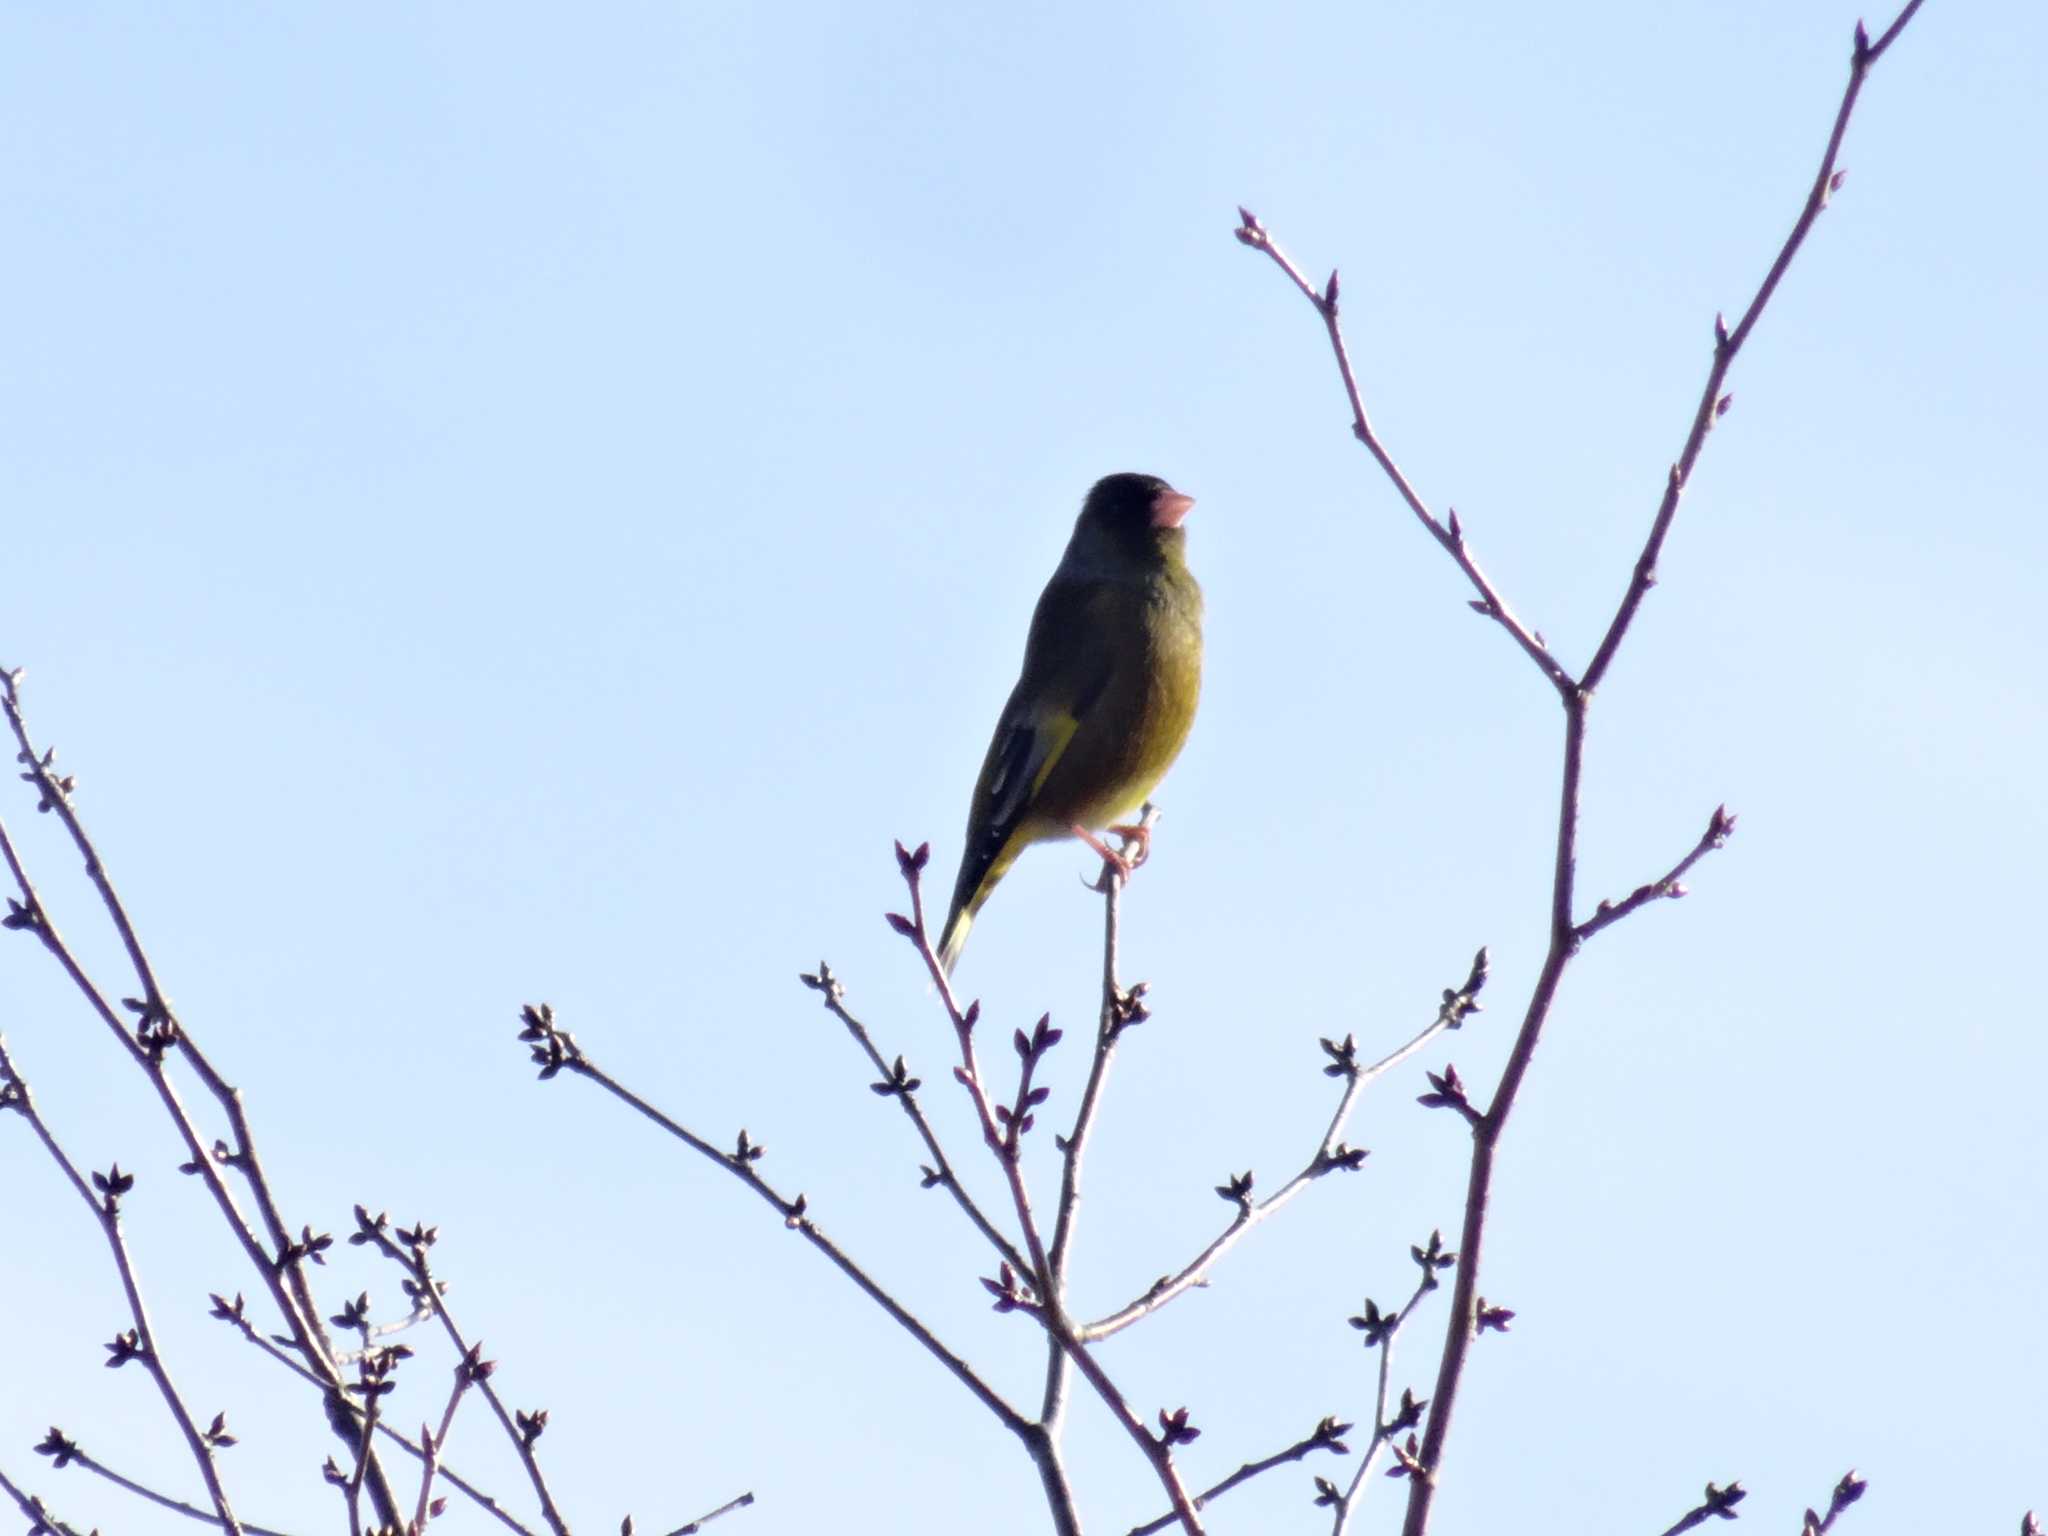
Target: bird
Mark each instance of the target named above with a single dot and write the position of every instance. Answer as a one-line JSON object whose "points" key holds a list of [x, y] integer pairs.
{"points": [[1104, 700]]}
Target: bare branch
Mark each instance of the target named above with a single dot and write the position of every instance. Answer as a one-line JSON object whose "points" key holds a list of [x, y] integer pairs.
{"points": [[1380, 1330], [157, 1033], [556, 1051], [1450, 533], [896, 1083], [1667, 886], [1575, 695], [39, 1516], [408, 1249], [1326, 1436], [1719, 1503], [1851, 1487], [1119, 1010], [103, 1198], [65, 1451], [1001, 1129], [1728, 343], [701, 1521], [1331, 1153], [233, 1313]]}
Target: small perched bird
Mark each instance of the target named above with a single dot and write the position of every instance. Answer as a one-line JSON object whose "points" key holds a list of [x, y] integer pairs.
{"points": [[1112, 672]]}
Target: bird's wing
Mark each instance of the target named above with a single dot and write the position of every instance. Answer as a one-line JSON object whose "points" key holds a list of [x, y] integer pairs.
{"points": [[1068, 664]]}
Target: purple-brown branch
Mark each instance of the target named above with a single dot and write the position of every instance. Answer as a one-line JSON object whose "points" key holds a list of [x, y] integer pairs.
{"points": [[1449, 533], [1718, 1504], [40, 1519], [691, 1527], [556, 1051], [63, 1451], [1380, 1330], [102, 1196], [1668, 886], [1575, 695], [156, 1035], [235, 1314], [1331, 1153], [1002, 1133], [1845, 1493], [897, 1083], [1328, 1435], [408, 1249]]}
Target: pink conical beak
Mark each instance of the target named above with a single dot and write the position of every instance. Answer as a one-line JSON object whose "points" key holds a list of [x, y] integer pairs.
{"points": [[1169, 507]]}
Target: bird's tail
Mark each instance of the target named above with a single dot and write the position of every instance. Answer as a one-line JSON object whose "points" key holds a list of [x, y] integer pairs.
{"points": [[970, 893], [955, 938]]}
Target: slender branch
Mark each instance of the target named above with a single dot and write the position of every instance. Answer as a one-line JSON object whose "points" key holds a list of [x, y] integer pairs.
{"points": [[233, 1314], [1330, 1154], [1119, 1010], [371, 1370], [968, 1073], [412, 1257], [1565, 937], [1380, 1331], [434, 1442], [898, 1085], [556, 1051], [1326, 1436], [1846, 1492], [1719, 1503], [39, 1517], [157, 1032], [1004, 1145], [65, 1451], [1575, 696], [1157, 1449], [1667, 886], [698, 1524], [1727, 343], [141, 1344], [1449, 533]]}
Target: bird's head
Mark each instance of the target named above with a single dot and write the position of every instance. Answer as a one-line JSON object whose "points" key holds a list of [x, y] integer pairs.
{"points": [[1136, 513]]}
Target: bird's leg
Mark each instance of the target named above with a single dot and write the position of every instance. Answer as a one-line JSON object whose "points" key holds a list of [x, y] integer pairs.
{"points": [[1137, 836], [1122, 860]]}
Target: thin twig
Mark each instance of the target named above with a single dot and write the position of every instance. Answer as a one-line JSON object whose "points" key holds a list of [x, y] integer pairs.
{"points": [[39, 1516], [413, 1259], [556, 1051], [1575, 696], [1448, 533], [1845, 1493], [1727, 343], [1719, 1503], [434, 1442], [902, 1088], [1004, 1145], [1667, 886], [157, 1032], [65, 1451], [969, 1075], [1380, 1334], [701, 1521], [141, 1345], [1326, 1436], [231, 1314], [1330, 1154], [1118, 1011]]}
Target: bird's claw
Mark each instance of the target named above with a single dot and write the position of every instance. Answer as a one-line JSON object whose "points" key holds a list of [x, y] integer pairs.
{"points": [[1136, 847]]}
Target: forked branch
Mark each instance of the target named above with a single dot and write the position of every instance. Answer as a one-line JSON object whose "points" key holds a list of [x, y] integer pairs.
{"points": [[1575, 695]]}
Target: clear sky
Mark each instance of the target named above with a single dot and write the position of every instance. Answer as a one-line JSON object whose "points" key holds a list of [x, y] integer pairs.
{"points": [[505, 506]]}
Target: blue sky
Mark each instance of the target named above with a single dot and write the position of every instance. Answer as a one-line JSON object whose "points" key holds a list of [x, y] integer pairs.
{"points": [[505, 509]]}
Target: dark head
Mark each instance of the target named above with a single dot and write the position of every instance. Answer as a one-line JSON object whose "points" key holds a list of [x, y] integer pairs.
{"points": [[1136, 512]]}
